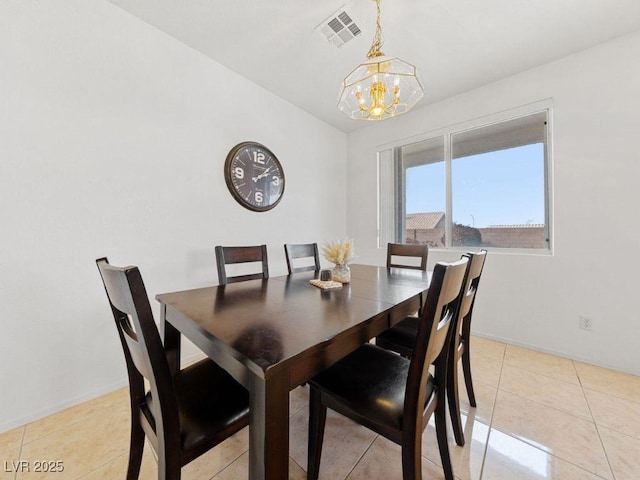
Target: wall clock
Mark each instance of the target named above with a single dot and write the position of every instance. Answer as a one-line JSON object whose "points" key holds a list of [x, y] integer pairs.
{"points": [[254, 176]]}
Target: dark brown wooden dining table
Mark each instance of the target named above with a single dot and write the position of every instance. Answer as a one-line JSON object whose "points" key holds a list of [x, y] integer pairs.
{"points": [[273, 335]]}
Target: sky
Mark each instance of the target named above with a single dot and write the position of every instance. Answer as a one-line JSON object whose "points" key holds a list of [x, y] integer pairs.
{"points": [[505, 187]]}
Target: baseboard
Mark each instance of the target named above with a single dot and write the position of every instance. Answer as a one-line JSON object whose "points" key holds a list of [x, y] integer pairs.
{"points": [[45, 412], [569, 356], [58, 407]]}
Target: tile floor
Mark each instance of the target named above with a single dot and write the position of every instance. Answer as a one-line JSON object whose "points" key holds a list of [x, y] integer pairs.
{"points": [[538, 417]]}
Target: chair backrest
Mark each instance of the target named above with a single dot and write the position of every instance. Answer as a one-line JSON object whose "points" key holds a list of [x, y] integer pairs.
{"points": [[304, 250], [438, 316], [471, 282], [141, 343], [404, 250], [232, 255]]}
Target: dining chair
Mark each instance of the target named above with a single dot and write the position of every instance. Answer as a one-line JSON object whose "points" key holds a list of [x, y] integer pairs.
{"points": [[402, 339], [293, 251], [183, 415], [233, 255], [407, 250], [390, 394]]}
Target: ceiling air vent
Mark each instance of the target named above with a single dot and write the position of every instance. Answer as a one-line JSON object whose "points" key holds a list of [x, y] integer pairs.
{"points": [[339, 28]]}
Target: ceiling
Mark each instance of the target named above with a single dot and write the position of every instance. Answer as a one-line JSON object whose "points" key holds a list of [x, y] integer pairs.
{"points": [[457, 45]]}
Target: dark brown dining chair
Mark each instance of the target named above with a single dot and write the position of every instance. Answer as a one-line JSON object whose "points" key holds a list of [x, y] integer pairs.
{"points": [[233, 255], [407, 250], [301, 250], [184, 415], [389, 394], [402, 339]]}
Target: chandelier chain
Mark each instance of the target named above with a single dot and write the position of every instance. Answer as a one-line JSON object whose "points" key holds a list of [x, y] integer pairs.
{"points": [[374, 50]]}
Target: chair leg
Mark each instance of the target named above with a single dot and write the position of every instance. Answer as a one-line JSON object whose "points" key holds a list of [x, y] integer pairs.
{"points": [[466, 368], [412, 459], [454, 401], [168, 470], [441, 433], [317, 419], [136, 449], [169, 466]]}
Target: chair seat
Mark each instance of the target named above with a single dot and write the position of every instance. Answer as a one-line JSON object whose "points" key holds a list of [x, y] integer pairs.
{"points": [[371, 382], [204, 411], [401, 337]]}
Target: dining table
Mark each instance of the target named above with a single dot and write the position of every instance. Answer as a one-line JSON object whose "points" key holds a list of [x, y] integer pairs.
{"points": [[274, 334]]}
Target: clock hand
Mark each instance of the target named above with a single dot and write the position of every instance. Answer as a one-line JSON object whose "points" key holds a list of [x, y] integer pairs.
{"points": [[262, 175], [265, 173]]}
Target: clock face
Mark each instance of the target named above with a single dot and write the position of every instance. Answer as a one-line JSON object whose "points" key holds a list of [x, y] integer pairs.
{"points": [[254, 176]]}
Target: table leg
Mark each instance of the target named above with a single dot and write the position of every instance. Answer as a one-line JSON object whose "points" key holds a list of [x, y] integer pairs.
{"points": [[269, 428], [171, 340]]}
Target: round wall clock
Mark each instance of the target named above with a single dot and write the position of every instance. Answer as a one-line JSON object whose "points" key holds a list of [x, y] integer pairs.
{"points": [[254, 176]]}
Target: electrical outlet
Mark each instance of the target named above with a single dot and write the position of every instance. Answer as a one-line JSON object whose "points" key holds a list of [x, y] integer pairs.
{"points": [[585, 323]]}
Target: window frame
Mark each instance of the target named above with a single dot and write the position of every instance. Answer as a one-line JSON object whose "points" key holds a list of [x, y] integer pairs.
{"points": [[447, 134]]}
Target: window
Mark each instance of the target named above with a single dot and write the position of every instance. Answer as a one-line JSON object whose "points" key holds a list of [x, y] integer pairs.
{"points": [[481, 187]]}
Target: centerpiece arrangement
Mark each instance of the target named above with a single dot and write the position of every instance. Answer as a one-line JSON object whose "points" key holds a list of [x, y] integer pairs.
{"points": [[340, 253]]}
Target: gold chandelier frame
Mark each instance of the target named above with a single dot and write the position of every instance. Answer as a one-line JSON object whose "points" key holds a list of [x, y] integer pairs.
{"points": [[381, 87]]}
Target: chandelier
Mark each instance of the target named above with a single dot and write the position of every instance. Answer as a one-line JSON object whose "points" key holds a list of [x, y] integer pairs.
{"points": [[381, 87]]}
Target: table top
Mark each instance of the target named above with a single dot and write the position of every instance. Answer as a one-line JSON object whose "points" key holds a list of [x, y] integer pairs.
{"points": [[267, 321]]}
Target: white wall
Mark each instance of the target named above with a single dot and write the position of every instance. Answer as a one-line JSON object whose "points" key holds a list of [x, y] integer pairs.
{"points": [[113, 138], [532, 300]]}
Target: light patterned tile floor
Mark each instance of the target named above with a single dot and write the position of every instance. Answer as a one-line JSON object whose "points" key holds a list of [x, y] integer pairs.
{"points": [[538, 417]]}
